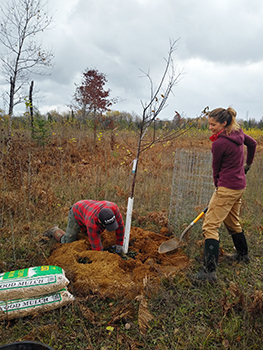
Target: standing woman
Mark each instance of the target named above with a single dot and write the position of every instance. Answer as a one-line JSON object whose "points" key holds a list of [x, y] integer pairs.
{"points": [[229, 171]]}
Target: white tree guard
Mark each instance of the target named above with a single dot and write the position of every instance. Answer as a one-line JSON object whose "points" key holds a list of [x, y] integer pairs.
{"points": [[128, 225]]}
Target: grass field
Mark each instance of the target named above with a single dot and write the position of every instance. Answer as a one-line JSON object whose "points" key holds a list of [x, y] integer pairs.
{"points": [[38, 186]]}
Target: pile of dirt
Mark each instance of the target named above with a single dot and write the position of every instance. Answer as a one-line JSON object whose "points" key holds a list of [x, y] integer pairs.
{"points": [[112, 275]]}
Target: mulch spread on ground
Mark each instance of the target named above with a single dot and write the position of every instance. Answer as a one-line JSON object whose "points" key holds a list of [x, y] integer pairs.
{"points": [[114, 276]]}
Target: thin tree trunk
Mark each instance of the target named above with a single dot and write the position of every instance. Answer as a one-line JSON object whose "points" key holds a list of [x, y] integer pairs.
{"points": [[31, 104], [136, 161], [95, 128], [10, 113]]}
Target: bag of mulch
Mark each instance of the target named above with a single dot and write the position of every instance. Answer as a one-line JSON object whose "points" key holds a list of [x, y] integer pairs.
{"points": [[33, 281], [23, 307]]}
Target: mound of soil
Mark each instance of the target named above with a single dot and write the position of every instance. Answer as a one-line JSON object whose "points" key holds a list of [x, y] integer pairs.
{"points": [[112, 275]]}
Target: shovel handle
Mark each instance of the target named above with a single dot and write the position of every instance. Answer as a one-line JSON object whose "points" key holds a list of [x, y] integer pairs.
{"points": [[172, 243], [192, 223], [199, 216]]}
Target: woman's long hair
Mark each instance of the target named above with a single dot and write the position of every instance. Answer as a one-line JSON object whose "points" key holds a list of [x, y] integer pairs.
{"points": [[229, 115]]}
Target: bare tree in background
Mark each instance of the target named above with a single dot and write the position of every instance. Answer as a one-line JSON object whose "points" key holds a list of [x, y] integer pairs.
{"points": [[150, 112], [22, 53]]}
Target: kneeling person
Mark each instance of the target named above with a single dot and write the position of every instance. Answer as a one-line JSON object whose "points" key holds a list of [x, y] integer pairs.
{"points": [[91, 217]]}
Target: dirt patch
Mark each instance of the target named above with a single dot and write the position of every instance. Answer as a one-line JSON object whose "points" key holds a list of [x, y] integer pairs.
{"points": [[109, 274]]}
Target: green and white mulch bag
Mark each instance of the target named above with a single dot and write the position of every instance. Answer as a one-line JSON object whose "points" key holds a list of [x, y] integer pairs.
{"points": [[31, 282], [23, 307]]}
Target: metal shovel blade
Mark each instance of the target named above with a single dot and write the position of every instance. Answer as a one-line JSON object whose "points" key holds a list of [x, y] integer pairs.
{"points": [[173, 243], [169, 245]]}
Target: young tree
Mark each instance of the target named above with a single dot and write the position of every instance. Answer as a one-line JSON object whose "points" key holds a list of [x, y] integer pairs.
{"points": [[22, 55], [91, 97], [150, 112]]}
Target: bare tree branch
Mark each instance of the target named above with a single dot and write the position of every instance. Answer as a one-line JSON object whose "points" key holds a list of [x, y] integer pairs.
{"points": [[23, 55], [153, 108]]}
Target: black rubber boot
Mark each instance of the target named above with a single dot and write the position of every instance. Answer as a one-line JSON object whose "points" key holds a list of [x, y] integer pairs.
{"points": [[50, 232], [58, 234], [211, 255], [240, 244]]}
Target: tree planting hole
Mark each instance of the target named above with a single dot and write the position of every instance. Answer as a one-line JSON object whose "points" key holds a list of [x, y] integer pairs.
{"points": [[84, 260]]}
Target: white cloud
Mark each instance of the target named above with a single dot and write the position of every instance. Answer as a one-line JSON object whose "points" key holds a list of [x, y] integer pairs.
{"points": [[219, 48]]}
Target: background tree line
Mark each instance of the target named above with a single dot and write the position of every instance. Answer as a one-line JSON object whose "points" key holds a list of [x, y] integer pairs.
{"points": [[91, 107]]}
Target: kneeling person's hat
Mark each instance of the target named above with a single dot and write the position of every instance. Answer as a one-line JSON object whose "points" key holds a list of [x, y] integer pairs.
{"points": [[107, 218]]}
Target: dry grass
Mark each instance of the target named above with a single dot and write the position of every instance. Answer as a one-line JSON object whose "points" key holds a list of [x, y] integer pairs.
{"points": [[38, 187]]}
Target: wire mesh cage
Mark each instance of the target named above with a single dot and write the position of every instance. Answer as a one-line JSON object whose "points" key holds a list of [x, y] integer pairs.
{"points": [[253, 196], [192, 186]]}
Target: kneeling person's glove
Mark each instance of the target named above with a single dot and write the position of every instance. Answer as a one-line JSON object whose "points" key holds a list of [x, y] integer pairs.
{"points": [[119, 249], [246, 168]]}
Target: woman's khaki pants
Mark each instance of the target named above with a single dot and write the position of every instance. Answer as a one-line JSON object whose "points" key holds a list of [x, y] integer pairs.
{"points": [[224, 207]]}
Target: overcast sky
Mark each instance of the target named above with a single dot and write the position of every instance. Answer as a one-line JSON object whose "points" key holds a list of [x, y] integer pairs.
{"points": [[219, 53]]}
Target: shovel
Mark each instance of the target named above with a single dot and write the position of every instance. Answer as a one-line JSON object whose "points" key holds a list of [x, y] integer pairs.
{"points": [[173, 243]]}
